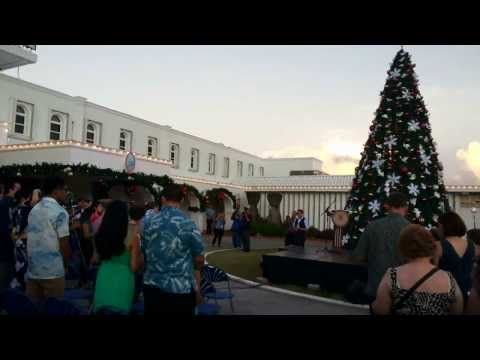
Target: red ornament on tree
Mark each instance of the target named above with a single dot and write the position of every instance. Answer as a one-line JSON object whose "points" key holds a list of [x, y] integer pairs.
{"points": [[404, 169], [221, 196]]}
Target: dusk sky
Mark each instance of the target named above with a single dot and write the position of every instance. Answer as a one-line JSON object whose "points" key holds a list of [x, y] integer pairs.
{"points": [[275, 100]]}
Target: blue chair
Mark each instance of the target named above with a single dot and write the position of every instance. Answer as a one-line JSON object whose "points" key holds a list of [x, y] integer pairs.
{"points": [[109, 311], [206, 309], [16, 303], [59, 307], [78, 294], [138, 308], [212, 274]]}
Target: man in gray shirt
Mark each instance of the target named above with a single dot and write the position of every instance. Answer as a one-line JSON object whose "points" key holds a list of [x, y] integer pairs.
{"points": [[378, 245]]}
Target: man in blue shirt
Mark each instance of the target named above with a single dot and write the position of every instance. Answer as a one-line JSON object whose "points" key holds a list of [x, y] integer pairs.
{"points": [[7, 204], [173, 247]]}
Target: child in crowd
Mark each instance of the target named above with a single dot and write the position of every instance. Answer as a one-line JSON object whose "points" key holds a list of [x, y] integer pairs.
{"points": [[219, 229], [120, 258]]}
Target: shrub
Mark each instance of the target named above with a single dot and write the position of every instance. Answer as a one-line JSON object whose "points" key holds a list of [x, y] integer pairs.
{"points": [[327, 234], [312, 232], [265, 228]]}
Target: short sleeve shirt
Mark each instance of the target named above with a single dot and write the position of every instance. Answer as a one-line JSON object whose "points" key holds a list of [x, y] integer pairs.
{"points": [[47, 224], [170, 242]]}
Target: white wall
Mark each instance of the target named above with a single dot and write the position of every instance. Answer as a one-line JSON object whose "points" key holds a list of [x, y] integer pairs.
{"points": [[283, 166]]}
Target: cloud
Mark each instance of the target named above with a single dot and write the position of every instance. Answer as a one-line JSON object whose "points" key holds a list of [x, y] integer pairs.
{"points": [[339, 157], [471, 157]]}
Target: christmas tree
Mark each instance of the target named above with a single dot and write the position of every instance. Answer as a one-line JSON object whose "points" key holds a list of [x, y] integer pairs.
{"points": [[399, 155]]}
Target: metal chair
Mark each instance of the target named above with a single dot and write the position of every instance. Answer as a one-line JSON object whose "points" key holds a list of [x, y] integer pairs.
{"points": [[17, 303], [60, 307], [212, 274]]}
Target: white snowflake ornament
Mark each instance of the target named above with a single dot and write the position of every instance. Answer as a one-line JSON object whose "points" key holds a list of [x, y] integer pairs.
{"points": [[413, 189], [345, 239], [374, 206], [406, 95], [394, 74], [393, 179], [425, 159], [391, 142], [413, 125], [413, 201]]}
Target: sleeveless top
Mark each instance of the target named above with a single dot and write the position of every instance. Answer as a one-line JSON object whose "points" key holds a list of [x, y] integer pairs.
{"points": [[460, 267], [421, 302], [115, 285]]}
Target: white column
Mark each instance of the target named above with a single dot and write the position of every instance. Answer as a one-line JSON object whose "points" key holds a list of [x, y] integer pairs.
{"points": [[3, 133]]}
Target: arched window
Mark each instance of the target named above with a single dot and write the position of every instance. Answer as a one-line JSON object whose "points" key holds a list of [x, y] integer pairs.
{"points": [[125, 140], [152, 146], [91, 134], [20, 120], [55, 127]]}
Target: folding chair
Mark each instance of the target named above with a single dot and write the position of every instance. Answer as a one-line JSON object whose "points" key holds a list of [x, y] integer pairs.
{"points": [[16, 303], [59, 307], [109, 311], [212, 275]]}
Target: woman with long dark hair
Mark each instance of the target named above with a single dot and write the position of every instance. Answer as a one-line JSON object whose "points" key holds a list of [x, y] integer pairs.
{"points": [[120, 258], [458, 253]]}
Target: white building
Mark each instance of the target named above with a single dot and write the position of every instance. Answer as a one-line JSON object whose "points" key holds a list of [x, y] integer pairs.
{"points": [[40, 124]]}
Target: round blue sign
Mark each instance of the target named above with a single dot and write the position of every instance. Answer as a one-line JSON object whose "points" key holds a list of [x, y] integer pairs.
{"points": [[130, 163]]}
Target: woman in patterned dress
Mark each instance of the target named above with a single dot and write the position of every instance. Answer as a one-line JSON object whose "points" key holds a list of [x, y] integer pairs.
{"points": [[438, 294]]}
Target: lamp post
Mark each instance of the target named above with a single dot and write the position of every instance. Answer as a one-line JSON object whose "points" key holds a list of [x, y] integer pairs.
{"points": [[474, 211]]}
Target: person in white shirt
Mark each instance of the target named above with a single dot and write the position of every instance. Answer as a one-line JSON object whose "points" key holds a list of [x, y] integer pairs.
{"points": [[47, 243]]}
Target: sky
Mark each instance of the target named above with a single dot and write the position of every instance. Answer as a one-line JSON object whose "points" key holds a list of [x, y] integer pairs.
{"points": [[277, 101]]}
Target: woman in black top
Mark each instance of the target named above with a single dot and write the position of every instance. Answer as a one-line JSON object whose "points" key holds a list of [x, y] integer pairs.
{"points": [[458, 253]]}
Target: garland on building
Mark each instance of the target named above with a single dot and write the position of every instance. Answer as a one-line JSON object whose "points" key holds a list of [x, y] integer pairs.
{"points": [[105, 178], [399, 155], [215, 197]]}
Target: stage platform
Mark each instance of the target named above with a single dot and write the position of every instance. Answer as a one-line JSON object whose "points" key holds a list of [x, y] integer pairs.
{"points": [[295, 265]]}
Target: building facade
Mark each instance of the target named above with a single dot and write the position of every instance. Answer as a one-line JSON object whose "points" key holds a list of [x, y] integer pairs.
{"points": [[39, 124]]}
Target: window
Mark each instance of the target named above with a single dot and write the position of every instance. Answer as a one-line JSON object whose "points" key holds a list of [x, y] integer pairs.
{"points": [[20, 120], [211, 164], [125, 140], [239, 168], [194, 156], [226, 167], [251, 170], [90, 137], [55, 127], [152, 145], [92, 132], [262, 171], [174, 154]]}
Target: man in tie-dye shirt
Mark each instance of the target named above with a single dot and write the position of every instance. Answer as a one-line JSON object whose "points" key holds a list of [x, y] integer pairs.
{"points": [[173, 248], [47, 243]]}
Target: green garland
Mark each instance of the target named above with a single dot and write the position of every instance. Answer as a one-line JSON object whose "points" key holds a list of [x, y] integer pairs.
{"points": [[108, 176], [212, 196]]}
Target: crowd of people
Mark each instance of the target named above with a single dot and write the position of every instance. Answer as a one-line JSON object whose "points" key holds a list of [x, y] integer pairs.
{"points": [[240, 228], [414, 271], [156, 250]]}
